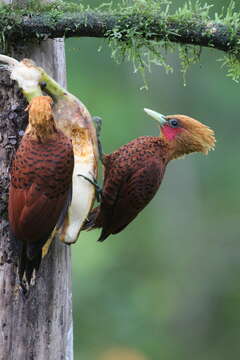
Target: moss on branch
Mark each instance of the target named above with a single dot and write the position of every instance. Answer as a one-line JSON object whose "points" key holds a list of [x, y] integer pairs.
{"points": [[137, 30]]}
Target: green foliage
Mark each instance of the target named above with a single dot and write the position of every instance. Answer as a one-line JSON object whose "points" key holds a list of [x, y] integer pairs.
{"points": [[137, 44], [232, 60], [133, 43], [144, 31], [193, 11], [188, 55], [11, 16]]}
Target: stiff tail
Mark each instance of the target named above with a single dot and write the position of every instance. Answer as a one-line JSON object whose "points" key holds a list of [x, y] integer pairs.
{"points": [[93, 220], [104, 235], [28, 264]]}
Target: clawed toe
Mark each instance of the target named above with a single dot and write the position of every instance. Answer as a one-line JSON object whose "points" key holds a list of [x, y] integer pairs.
{"points": [[94, 182]]}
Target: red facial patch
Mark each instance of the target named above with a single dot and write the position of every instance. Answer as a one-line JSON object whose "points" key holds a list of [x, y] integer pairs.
{"points": [[169, 132]]}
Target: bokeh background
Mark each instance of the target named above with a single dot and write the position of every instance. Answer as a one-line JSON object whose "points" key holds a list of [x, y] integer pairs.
{"points": [[168, 286]]}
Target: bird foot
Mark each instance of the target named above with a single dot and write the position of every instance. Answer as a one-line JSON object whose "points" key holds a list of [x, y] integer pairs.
{"points": [[96, 185]]}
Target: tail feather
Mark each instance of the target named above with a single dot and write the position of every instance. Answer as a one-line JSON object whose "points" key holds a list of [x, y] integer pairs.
{"points": [[27, 265], [32, 265], [104, 235], [93, 220]]}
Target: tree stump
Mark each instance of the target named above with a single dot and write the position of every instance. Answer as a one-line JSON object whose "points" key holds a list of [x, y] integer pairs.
{"points": [[36, 325]]}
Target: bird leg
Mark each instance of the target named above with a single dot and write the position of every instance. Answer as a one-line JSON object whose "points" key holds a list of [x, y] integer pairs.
{"points": [[96, 185], [98, 126]]}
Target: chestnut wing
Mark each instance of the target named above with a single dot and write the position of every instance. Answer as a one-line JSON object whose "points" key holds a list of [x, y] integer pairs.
{"points": [[33, 215], [40, 188], [126, 197]]}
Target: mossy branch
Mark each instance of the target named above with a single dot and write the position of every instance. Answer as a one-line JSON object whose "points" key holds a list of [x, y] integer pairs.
{"points": [[90, 24], [134, 28]]}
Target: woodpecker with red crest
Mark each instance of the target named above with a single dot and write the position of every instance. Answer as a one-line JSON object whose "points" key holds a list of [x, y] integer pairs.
{"points": [[40, 187], [134, 172]]}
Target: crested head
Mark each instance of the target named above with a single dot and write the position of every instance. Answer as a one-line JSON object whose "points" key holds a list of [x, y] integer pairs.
{"points": [[41, 121], [183, 134], [186, 135]]}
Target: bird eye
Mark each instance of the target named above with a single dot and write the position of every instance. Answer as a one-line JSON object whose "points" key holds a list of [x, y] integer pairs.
{"points": [[174, 123]]}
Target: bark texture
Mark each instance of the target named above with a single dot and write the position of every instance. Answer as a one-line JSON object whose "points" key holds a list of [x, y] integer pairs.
{"points": [[36, 325]]}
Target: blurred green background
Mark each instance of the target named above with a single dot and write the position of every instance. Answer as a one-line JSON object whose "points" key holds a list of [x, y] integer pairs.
{"points": [[168, 286]]}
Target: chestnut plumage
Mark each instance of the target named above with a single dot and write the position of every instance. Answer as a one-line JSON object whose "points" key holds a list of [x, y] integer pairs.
{"points": [[134, 172], [40, 187]]}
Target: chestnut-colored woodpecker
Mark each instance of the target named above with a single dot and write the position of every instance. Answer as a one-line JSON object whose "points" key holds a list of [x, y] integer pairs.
{"points": [[41, 184], [134, 172], [74, 120]]}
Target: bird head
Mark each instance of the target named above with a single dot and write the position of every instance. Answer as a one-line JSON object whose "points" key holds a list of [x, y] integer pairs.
{"points": [[41, 121], [184, 134]]}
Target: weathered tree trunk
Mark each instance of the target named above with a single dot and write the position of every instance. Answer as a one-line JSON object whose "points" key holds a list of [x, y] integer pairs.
{"points": [[36, 325]]}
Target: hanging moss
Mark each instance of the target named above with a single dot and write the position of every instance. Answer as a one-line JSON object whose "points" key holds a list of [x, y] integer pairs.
{"points": [[136, 43], [139, 31]]}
